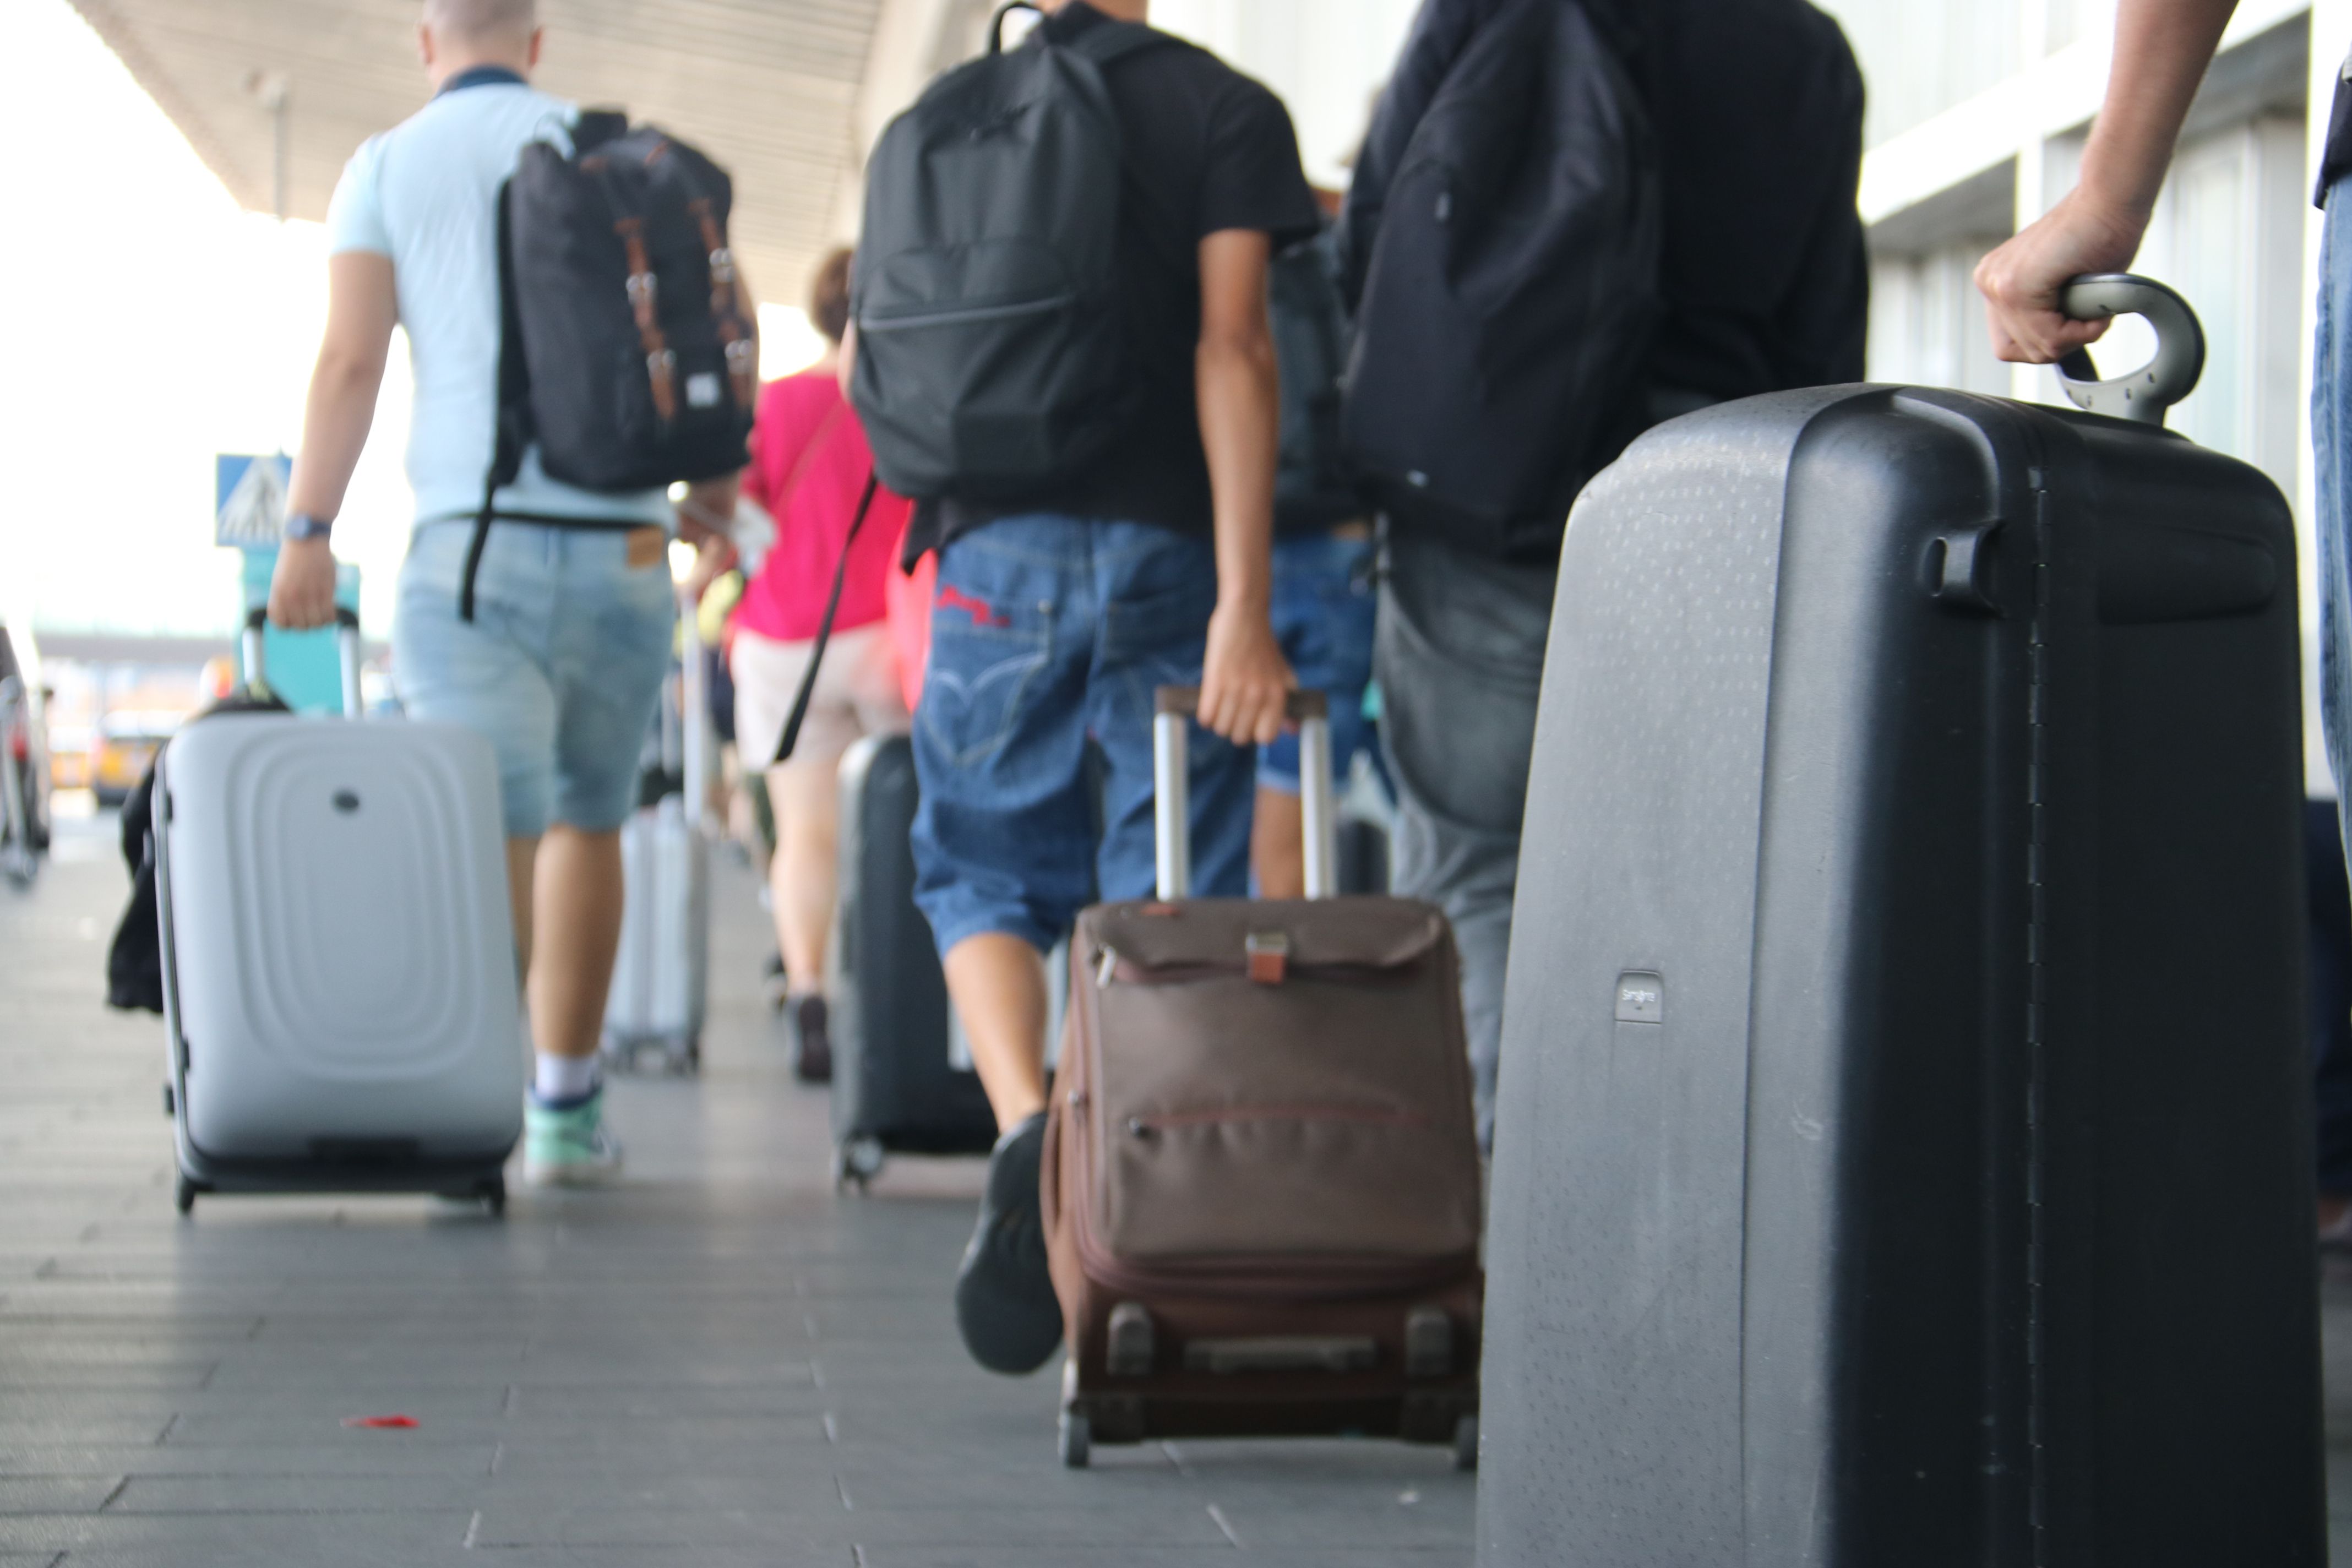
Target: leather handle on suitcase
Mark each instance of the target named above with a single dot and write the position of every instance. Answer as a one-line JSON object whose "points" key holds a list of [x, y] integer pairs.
{"points": [[347, 653], [1173, 709], [2145, 394]]}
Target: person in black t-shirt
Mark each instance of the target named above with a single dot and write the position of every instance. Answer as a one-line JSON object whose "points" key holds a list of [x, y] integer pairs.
{"points": [[1056, 620], [1764, 283]]}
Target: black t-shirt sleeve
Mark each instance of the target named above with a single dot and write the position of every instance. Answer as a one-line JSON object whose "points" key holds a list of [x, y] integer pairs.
{"points": [[1251, 177]]}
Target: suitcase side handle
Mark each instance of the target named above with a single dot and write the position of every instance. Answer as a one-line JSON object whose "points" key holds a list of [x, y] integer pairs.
{"points": [[1173, 709], [2143, 395], [347, 653]]}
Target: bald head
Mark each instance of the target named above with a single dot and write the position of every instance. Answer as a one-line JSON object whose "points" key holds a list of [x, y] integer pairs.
{"points": [[459, 34]]}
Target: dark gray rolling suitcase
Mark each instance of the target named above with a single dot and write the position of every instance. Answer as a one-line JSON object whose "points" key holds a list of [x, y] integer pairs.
{"points": [[1905, 1150], [895, 1088]]}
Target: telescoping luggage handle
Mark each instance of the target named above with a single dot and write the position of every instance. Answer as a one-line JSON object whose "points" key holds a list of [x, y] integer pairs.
{"points": [[347, 650], [1174, 709], [2144, 394]]}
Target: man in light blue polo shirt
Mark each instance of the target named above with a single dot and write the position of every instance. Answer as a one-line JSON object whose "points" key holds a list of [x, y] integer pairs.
{"points": [[562, 664]]}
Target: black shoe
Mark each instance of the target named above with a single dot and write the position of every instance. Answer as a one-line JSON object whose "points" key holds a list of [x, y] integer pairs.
{"points": [[1004, 1297], [808, 1023]]}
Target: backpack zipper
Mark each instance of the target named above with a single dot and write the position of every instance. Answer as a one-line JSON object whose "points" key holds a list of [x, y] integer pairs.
{"points": [[971, 316]]}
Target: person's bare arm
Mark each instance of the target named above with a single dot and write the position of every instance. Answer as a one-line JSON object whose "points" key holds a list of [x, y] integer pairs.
{"points": [[362, 308], [2162, 48], [1245, 681], [705, 520]]}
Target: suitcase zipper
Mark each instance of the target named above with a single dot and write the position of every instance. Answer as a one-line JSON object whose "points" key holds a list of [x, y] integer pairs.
{"points": [[1371, 1115], [1111, 968]]}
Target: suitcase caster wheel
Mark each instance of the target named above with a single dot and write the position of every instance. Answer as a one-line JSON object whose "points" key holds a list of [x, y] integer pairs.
{"points": [[183, 1197], [1076, 1440], [689, 1061], [859, 1161], [494, 1196], [1466, 1443]]}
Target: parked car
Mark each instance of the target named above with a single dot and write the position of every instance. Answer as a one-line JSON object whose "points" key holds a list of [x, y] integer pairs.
{"points": [[125, 748], [23, 757]]}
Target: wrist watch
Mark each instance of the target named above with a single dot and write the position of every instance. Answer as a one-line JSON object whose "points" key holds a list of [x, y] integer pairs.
{"points": [[302, 525]]}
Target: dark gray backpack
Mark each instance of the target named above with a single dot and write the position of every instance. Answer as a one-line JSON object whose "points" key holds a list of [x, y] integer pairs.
{"points": [[1509, 208], [992, 354]]}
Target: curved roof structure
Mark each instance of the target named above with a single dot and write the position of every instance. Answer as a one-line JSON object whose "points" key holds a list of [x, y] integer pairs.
{"points": [[769, 88]]}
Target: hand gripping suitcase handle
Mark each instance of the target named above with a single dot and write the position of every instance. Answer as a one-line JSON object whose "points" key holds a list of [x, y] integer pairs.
{"points": [[2144, 394], [1174, 709], [347, 651]]}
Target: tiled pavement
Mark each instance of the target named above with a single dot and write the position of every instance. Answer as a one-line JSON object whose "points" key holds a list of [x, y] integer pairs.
{"points": [[720, 1365]]}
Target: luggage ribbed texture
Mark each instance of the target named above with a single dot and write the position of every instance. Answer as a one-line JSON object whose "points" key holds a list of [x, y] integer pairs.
{"points": [[340, 955]]}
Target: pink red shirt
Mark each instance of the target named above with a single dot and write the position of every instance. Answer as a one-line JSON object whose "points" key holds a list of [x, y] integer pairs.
{"points": [[805, 428]]}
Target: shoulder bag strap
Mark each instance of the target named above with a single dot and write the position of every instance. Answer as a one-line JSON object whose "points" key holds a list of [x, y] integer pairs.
{"points": [[513, 404], [791, 734]]}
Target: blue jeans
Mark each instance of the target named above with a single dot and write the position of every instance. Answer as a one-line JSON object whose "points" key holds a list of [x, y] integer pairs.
{"points": [[560, 668], [1046, 630], [1324, 610]]}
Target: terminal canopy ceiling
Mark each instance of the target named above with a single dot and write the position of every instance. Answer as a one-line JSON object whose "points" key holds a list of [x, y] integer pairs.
{"points": [[769, 88]]}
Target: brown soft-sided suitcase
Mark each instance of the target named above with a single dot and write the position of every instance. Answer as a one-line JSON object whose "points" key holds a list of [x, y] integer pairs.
{"points": [[1261, 1181]]}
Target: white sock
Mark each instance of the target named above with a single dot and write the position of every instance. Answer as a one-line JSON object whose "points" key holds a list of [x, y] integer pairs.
{"points": [[565, 1080]]}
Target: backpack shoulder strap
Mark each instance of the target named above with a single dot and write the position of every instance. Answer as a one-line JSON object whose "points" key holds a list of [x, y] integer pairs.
{"points": [[513, 427]]}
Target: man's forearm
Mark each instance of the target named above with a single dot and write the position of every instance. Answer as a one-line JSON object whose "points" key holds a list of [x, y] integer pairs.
{"points": [[1240, 393], [707, 513], [335, 422], [2162, 48]]}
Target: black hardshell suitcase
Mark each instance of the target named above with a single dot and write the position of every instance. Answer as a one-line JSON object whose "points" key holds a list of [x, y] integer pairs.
{"points": [[1905, 1150], [895, 1089]]}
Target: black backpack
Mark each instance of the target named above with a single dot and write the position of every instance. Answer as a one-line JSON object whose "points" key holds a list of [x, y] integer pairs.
{"points": [[1512, 290], [991, 353], [1313, 487], [629, 353]]}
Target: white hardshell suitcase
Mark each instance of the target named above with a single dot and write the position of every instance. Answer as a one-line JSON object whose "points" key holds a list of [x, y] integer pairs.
{"points": [[339, 971], [661, 971]]}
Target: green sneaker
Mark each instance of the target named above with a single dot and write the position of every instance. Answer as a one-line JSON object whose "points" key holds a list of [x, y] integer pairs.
{"points": [[568, 1147]]}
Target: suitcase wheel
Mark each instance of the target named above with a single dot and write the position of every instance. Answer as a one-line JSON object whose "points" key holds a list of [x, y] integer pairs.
{"points": [[170, 1101], [860, 1161], [1466, 1443], [1130, 1353], [184, 1197], [1076, 1440], [493, 1193]]}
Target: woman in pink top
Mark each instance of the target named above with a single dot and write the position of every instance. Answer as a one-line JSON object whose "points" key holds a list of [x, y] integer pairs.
{"points": [[809, 465]]}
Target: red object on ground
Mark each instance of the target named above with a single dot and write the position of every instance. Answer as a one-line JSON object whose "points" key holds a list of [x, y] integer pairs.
{"points": [[382, 1423], [810, 463]]}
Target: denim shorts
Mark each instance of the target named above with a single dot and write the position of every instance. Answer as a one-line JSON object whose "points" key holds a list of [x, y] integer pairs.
{"points": [[560, 669], [1324, 609], [1046, 631]]}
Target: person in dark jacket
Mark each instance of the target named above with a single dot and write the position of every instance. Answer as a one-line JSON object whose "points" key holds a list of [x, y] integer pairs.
{"points": [[1756, 107]]}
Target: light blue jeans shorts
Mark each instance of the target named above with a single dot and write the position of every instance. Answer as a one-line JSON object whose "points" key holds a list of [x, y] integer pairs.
{"points": [[560, 669]]}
